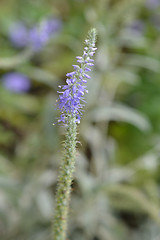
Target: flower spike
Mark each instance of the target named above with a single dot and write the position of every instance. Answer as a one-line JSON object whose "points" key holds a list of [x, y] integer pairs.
{"points": [[69, 101]]}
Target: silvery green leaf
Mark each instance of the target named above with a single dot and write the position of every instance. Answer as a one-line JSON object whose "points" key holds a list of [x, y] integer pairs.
{"points": [[119, 112]]}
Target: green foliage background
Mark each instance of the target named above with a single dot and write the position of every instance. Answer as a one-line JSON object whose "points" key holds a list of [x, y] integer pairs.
{"points": [[116, 187]]}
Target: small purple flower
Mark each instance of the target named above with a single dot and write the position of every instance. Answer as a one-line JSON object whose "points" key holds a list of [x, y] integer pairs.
{"points": [[70, 100], [18, 34], [16, 82]]}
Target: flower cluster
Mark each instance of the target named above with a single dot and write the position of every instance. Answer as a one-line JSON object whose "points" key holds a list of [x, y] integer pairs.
{"points": [[71, 100], [36, 37]]}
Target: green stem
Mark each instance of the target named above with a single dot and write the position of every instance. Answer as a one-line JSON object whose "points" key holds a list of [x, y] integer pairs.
{"points": [[65, 180]]}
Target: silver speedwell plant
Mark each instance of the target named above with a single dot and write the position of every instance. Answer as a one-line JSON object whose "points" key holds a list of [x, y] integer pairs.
{"points": [[70, 103]]}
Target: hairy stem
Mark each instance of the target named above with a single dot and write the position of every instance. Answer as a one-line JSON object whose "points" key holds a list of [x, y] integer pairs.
{"points": [[64, 182]]}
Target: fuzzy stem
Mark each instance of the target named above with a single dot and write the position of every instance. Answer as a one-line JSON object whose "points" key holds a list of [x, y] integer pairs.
{"points": [[65, 180]]}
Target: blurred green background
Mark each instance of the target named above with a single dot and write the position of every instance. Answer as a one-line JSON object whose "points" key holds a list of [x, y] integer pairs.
{"points": [[116, 188]]}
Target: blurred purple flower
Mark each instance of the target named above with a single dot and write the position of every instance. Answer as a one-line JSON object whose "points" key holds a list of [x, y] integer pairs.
{"points": [[52, 25], [36, 37], [18, 35], [153, 3], [16, 82], [36, 40], [41, 34]]}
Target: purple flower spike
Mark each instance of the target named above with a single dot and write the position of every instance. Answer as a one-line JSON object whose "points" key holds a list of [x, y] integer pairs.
{"points": [[16, 82], [70, 100]]}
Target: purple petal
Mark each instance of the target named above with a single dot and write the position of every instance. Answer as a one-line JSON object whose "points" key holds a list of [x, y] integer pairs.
{"points": [[90, 64], [86, 75], [70, 74], [87, 69], [68, 81], [80, 61], [75, 67], [80, 58], [91, 54]]}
